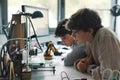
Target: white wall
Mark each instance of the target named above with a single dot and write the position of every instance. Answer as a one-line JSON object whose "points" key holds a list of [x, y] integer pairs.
{"points": [[48, 38]]}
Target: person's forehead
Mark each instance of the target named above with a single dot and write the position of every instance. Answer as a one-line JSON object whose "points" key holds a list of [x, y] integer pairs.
{"points": [[66, 35]]}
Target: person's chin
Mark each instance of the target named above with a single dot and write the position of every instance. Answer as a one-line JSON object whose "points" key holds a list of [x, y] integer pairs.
{"points": [[79, 42], [69, 45]]}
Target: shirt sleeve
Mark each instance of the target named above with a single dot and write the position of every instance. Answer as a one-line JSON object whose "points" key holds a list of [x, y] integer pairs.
{"points": [[107, 51], [77, 53]]}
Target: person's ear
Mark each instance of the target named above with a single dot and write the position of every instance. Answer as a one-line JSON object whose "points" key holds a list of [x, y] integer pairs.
{"points": [[91, 31]]}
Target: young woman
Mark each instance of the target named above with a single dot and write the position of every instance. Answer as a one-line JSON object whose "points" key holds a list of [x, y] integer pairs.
{"points": [[104, 46]]}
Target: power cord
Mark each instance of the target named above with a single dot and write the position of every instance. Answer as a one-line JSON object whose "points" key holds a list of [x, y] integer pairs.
{"points": [[35, 34], [64, 76]]}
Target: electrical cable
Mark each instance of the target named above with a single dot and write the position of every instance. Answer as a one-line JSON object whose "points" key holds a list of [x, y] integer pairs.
{"points": [[35, 33], [65, 76]]}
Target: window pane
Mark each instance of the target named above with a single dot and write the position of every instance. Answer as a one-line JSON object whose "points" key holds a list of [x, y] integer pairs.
{"points": [[15, 5], [102, 6], [117, 23]]}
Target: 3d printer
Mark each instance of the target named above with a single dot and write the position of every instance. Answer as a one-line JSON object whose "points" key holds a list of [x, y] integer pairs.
{"points": [[11, 66]]}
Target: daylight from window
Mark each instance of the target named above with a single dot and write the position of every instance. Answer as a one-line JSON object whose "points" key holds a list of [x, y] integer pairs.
{"points": [[14, 6], [101, 6]]}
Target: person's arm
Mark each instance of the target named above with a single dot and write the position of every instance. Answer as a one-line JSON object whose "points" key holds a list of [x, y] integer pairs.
{"points": [[78, 52], [107, 48], [84, 63]]}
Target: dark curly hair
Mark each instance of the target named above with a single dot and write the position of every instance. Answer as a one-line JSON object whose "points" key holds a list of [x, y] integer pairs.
{"points": [[84, 19], [61, 30]]}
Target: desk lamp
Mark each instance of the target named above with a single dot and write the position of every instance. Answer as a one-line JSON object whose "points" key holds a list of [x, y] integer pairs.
{"points": [[37, 14]]}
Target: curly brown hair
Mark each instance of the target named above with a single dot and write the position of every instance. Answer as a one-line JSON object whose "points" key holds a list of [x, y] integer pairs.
{"points": [[85, 19], [61, 30]]}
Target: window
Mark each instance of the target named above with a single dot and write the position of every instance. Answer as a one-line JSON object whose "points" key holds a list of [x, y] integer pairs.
{"points": [[118, 24], [14, 6], [102, 6], [38, 26]]}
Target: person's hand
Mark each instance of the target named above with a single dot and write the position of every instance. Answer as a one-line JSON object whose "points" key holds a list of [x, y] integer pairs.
{"points": [[82, 65], [62, 58]]}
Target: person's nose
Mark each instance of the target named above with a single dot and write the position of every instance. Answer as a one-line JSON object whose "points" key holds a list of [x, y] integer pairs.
{"points": [[63, 42], [73, 35]]}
